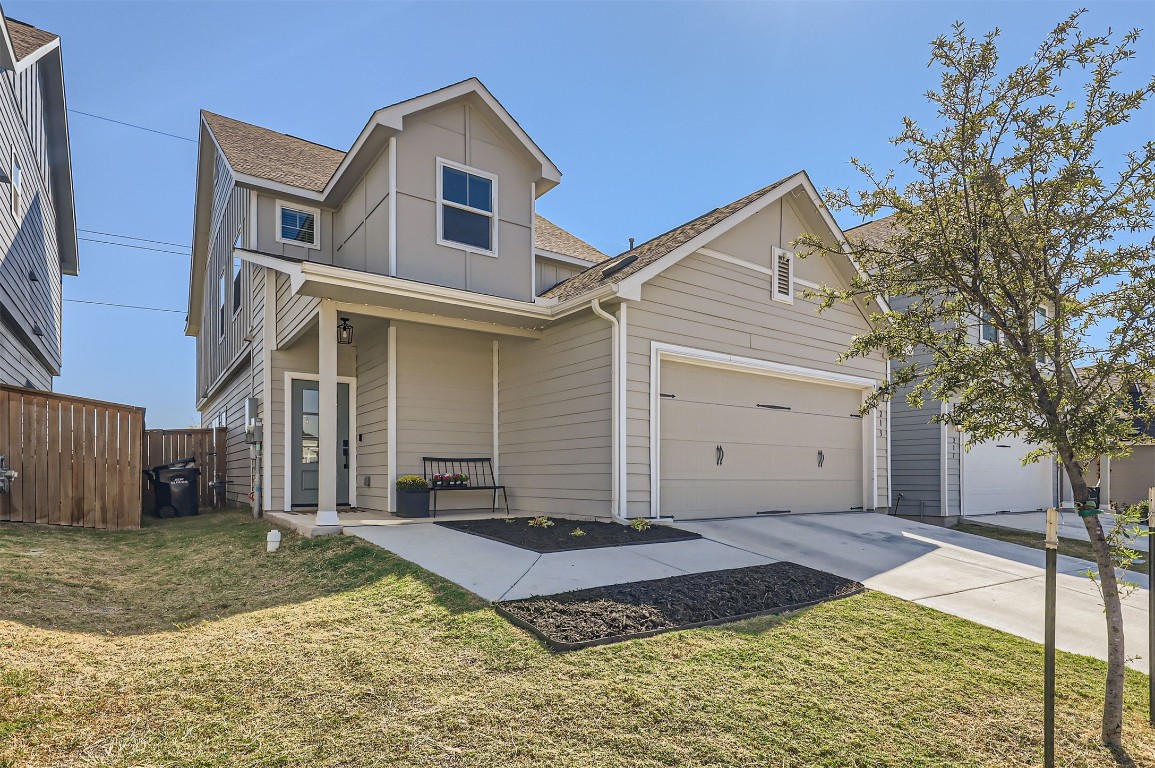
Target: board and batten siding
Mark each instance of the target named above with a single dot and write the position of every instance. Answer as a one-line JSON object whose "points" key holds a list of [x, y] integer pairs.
{"points": [[28, 239], [550, 273], [706, 303], [460, 133], [556, 419], [362, 222]]}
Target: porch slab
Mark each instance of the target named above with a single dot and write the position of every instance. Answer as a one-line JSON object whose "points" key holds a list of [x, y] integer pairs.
{"points": [[304, 524]]}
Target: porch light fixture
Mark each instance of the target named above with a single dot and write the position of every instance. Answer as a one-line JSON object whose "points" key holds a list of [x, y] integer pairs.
{"points": [[344, 332]]}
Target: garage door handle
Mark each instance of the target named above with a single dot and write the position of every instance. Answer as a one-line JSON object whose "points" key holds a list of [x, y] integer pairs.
{"points": [[821, 458], [720, 455]]}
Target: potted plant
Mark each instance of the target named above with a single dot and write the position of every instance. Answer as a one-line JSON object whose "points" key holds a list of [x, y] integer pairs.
{"points": [[460, 480], [412, 496]]}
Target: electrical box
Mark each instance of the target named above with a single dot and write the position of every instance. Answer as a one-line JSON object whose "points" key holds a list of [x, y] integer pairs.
{"points": [[254, 431]]}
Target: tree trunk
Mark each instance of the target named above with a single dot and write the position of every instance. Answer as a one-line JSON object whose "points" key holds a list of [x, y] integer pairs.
{"points": [[1112, 732]]}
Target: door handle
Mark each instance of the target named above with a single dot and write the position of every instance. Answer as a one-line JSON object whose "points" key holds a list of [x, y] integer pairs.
{"points": [[719, 455], [821, 458]]}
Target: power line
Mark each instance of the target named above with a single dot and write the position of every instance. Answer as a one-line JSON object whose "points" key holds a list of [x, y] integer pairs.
{"points": [[130, 245], [131, 237], [133, 125], [124, 306]]}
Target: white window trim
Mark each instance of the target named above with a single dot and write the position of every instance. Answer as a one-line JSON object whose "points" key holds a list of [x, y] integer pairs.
{"points": [[16, 181], [785, 298], [316, 244], [441, 201], [982, 323]]}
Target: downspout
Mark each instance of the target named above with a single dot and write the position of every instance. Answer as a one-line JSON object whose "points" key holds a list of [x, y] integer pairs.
{"points": [[617, 500]]}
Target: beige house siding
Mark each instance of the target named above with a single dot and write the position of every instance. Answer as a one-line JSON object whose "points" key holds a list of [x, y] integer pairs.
{"points": [[462, 134], [267, 226], [362, 222], [444, 401], [293, 312], [555, 421], [18, 366], [706, 303], [372, 439], [230, 399], [1131, 477], [550, 273]]}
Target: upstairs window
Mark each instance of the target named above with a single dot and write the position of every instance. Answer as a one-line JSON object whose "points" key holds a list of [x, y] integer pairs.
{"points": [[783, 288], [987, 331], [236, 285], [17, 184], [466, 201], [1040, 324], [223, 297], [297, 225]]}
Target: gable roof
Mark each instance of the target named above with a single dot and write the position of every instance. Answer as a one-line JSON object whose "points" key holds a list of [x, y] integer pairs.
{"points": [[875, 233], [267, 154], [550, 237], [26, 39], [650, 251]]}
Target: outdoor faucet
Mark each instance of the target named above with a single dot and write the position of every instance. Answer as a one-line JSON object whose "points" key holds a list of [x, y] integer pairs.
{"points": [[6, 475]]}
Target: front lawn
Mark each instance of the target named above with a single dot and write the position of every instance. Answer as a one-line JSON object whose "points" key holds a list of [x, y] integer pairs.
{"points": [[1070, 547], [184, 644]]}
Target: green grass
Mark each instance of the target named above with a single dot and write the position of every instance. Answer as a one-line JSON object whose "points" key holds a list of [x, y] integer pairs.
{"points": [[184, 644], [1069, 547]]}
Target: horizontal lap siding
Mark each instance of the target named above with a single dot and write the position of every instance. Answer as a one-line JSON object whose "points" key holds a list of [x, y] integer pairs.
{"points": [[556, 426], [293, 312], [372, 440], [18, 366], [709, 304], [230, 398], [444, 401]]}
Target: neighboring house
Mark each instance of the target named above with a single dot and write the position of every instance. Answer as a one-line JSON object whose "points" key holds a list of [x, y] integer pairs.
{"points": [[938, 478], [687, 377], [1128, 480], [37, 221]]}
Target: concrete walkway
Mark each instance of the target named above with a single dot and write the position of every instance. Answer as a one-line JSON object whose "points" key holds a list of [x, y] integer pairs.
{"points": [[1070, 524], [990, 582]]}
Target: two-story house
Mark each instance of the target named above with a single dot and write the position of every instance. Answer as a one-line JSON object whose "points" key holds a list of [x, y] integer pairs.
{"points": [[939, 478], [37, 221], [404, 299]]}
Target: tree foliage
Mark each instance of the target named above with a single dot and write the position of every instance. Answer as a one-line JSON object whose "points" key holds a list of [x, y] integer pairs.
{"points": [[1013, 206]]}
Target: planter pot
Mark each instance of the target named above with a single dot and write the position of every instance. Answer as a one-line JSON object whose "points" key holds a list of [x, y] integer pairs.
{"points": [[412, 503]]}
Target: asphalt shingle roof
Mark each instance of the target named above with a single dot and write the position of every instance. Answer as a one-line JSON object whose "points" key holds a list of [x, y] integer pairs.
{"points": [[550, 237], [27, 39], [652, 250], [266, 154], [874, 233]]}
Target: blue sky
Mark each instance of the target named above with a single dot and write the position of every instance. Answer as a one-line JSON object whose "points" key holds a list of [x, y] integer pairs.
{"points": [[655, 113]]}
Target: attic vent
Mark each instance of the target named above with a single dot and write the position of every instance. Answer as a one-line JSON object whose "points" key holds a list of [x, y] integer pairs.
{"points": [[615, 268], [783, 275]]}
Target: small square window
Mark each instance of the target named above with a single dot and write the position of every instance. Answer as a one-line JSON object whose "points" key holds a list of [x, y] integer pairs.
{"points": [[466, 207], [297, 226]]}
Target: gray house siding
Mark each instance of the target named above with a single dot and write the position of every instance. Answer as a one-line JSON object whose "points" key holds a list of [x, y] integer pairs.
{"points": [[28, 240]]}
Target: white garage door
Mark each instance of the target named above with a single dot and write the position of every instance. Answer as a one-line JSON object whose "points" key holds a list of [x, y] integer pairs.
{"points": [[735, 443], [995, 480]]}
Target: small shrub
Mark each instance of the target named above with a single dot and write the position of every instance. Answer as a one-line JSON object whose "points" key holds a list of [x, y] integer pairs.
{"points": [[507, 520], [541, 522], [412, 483], [641, 524], [577, 532]]}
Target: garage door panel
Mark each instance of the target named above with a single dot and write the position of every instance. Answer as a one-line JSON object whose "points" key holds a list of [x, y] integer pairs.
{"points": [[995, 479], [771, 456]]}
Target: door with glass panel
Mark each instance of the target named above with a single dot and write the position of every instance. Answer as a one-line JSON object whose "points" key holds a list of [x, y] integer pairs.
{"points": [[305, 433]]}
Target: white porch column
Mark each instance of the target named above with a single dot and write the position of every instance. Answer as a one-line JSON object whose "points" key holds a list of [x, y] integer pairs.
{"points": [[327, 415], [1105, 483]]}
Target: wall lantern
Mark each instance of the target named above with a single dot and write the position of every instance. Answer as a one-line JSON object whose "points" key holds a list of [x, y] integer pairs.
{"points": [[344, 332]]}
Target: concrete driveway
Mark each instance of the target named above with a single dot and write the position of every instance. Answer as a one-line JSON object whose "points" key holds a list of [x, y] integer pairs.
{"points": [[990, 582]]}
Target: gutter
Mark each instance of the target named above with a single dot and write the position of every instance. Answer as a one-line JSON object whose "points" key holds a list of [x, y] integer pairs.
{"points": [[619, 483]]}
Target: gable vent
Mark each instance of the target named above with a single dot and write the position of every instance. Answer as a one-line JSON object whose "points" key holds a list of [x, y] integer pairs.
{"points": [[783, 275]]}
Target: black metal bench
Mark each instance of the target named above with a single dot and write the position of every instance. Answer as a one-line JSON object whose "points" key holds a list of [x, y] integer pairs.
{"points": [[479, 474]]}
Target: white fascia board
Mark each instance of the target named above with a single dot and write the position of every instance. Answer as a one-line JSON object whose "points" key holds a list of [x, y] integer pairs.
{"points": [[555, 256], [264, 260], [7, 52], [756, 365], [837, 232], [202, 224], [280, 188], [36, 55], [636, 280]]}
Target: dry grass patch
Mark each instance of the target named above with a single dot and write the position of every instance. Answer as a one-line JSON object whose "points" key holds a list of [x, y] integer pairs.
{"points": [[334, 653], [1068, 547]]}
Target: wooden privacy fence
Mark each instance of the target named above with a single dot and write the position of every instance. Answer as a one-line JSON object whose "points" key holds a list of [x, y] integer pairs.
{"points": [[206, 446], [79, 460]]}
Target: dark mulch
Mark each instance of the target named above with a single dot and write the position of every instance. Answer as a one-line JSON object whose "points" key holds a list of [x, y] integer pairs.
{"points": [[559, 537], [600, 615]]}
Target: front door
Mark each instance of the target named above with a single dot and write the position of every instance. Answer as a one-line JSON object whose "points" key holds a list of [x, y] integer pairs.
{"points": [[305, 433]]}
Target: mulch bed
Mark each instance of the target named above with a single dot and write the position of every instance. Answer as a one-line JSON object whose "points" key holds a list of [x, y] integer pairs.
{"points": [[600, 615], [559, 537]]}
